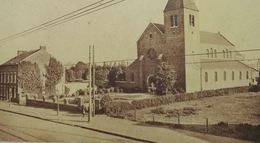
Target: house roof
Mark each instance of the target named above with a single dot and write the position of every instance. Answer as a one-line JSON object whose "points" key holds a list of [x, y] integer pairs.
{"points": [[20, 57], [180, 4], [214, 38]]}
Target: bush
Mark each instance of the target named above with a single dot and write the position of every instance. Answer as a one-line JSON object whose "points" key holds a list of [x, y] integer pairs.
{"points": [[105, 103]]}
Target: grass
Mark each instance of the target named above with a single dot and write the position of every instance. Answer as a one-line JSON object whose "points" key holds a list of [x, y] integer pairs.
{"points": [[234, 109]]}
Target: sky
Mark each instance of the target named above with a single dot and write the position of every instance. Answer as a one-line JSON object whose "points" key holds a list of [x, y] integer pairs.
{"points": [[115, 30]]}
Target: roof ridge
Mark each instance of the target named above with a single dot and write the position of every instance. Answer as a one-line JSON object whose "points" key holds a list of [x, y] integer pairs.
{"points": [[155, 25], [17, 59], [226, 38]]}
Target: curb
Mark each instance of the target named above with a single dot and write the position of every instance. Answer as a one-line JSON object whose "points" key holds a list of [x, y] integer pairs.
{"points": [[88, 128]]}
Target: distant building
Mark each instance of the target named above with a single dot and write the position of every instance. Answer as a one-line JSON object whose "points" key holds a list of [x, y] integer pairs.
{"points": [[9, 84], [179, 43]]}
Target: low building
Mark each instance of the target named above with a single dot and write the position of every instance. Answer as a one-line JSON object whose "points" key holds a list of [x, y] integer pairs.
{"points": [[10, 86]]}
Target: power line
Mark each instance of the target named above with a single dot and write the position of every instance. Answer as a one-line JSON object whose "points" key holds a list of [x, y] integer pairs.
{"points": [[78, 15], [182, 55], [75, 11], [83, 13]]}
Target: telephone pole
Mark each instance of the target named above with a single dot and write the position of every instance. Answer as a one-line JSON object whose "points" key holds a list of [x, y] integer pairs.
{"points": [[90, 90], [94, 79]]}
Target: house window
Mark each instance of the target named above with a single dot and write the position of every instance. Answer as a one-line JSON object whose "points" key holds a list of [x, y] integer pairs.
{"points": [[215, 52], [14, 77], [225, 75], [216, 76], [230, 54], [206, 77], [233, 75], [240, 75], [0, 78], [208, 52], [247, 75], [224, 54], [132, 77], [11, 78]]}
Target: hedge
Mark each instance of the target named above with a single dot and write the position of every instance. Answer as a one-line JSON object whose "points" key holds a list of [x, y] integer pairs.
{"points": [[123, 106]]}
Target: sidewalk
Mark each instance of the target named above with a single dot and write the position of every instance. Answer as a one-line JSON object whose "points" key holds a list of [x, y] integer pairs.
{"points": [[104, 123], [107, 124]]}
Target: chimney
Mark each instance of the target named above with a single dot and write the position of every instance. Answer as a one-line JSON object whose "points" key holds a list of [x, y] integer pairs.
{"points": [[43, 48], [20, 52]]}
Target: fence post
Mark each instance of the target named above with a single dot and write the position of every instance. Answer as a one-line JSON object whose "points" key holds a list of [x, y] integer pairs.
{"points": [[179, 122], [135, 115], [207, 125]]}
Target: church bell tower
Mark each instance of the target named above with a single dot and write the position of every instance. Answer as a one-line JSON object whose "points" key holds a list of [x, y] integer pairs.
{"points": [[182, 34]]}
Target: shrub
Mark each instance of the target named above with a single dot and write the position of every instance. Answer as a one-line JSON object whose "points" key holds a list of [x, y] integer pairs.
{"points": [[105, 103]]}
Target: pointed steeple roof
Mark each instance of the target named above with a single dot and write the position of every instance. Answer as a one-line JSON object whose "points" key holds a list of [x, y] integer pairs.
{"points": [[180, 4]]}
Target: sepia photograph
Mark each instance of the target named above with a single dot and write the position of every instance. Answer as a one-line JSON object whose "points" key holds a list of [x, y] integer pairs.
{"points": [[130, 71]]}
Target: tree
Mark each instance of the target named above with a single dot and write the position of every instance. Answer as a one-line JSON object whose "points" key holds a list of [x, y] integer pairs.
{"points": [[112, 76], [29, 77], [70, 75], [101, 75], [80, 70], [165, 80], [67, 91], [54, 74]]}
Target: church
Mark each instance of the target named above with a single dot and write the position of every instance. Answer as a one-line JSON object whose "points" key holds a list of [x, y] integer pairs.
{"points": [[202, 60]]}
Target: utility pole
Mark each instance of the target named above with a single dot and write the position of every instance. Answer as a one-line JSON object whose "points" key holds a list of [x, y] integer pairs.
{"points": [[90, 90], [94, 83], [58, 105]]}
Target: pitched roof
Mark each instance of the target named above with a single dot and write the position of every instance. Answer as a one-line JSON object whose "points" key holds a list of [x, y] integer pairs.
{"points": [[180, 4], [224, 64], [160, 27], [20, 57], [214, 38]]}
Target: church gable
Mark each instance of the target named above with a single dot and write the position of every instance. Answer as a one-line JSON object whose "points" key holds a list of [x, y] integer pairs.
{"points": [[153, 30], [152, 38]]}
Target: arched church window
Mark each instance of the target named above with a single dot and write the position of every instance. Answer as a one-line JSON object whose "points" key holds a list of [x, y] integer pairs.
{"points": [[190, 17], [240, 75], [208, 53], [216, 76], [206, 77], [193, 20], [174, 21], [227, 53], [233, 75], [211, 52], [215, 53], [225, 75], [247, 75]]}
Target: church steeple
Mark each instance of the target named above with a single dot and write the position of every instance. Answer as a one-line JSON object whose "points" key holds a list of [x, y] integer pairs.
{"points": [[180, 4]]}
